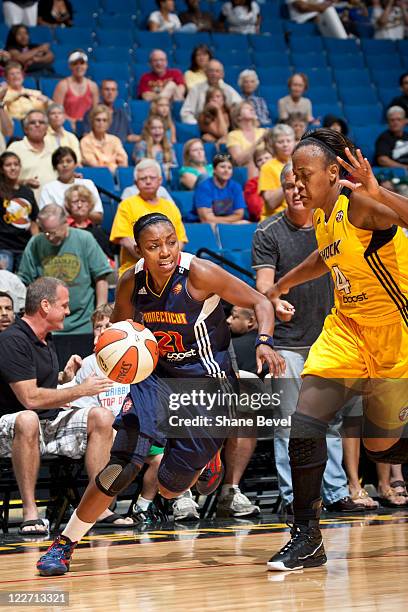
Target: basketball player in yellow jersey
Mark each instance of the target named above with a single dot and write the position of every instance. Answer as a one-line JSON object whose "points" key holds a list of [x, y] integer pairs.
{"points": [[364, 343]]}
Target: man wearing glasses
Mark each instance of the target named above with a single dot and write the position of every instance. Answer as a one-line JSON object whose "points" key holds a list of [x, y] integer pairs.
{"points": [[34, 152], [73, 256]]}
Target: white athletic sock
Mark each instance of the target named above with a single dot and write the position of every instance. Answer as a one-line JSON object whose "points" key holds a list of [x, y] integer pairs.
{"points": [[76, 529], [143, 503], [225, 489]]}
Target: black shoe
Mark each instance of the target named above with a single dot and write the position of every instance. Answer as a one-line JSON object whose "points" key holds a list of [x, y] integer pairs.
{"points": [[304, 549], [147, 518], [345, 504]]}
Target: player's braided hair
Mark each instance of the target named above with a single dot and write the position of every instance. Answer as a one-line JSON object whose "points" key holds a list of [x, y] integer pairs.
{"points": [[330, 142], [146, 220]]}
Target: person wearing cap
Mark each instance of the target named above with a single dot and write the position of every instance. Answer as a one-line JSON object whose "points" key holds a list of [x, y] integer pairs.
{"points": [[76, 93], [220, 199], [57, 135]]}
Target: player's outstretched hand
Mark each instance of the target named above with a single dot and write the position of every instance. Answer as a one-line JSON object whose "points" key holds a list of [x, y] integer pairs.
{"points": [[283, 310], [95, 384], [360, 169], [276, 363]]}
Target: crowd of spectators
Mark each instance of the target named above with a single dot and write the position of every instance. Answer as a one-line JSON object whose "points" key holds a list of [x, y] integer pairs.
{"points": [[50, 223]]}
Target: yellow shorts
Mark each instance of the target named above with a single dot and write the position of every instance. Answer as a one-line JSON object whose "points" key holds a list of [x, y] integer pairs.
{"points": [[374, 356]]}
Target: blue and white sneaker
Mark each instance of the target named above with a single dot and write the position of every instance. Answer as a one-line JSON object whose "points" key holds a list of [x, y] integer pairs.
{"points": [[56, 560]]}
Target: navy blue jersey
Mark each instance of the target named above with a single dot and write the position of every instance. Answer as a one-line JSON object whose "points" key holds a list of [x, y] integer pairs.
{"points": [[193, 337]]}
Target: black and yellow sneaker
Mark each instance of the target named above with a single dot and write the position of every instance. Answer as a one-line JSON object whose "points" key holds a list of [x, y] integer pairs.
{"points": [[304, 549]]}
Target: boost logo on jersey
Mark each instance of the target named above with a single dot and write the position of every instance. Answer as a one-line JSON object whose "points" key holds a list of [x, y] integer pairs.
{"points": [[181, 356], [349, 299]]}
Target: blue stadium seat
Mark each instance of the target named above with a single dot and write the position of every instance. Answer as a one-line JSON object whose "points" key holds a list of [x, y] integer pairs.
{"points": [[301, 29], [109, 212], [351, 62], [61, 67], [125, 177], [365, 137], [186, 131], [182, 56], [272, 93], [139, 110], [324, 95], [240, 175], [142, 56], [200, 235], [47, 86], [351, 78], [335, 46], [183, 40], [232, 73], [386, 78], [244, 260], [102, 177], [378, 62], [386, 94], [274, 76], [319, 77], [229, 41], [18, 128], [62, 51], [303, 61], [124, 7], [265, 59], [41, 34], [154, 40], [261, 42], [184, 201], [79, 38], [85, 20], [111, 38], [394, 172], [320, 110], [363, 115], [115, 22], [307, 44], [113, 54], [236, 237], [110, 70], [378, 47], [232, 57], [357, 96]]}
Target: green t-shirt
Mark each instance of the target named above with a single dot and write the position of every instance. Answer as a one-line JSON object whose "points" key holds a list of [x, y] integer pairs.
{"points": [[78, 261]]}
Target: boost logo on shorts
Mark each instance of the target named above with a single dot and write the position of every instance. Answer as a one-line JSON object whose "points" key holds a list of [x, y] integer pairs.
{"points": [[403, 415]]}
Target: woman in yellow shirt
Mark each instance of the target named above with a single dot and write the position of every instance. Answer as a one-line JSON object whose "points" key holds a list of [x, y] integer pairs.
{"points": [[246, 138], [199, 61], [100, 149], [18, 99]]}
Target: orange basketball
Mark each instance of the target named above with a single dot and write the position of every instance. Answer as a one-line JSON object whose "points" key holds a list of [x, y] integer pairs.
{"points": [[127, 352]]}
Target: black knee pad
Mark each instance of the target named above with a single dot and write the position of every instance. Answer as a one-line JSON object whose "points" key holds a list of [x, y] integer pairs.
{"points": [[116, 476], [397, 453], [307, 444]]}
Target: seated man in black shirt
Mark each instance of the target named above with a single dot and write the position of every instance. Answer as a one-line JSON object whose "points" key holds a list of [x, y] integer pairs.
{"points": [[391, 147], [30, 423]]}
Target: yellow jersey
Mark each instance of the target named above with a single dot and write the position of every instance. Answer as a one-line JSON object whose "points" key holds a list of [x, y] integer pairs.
{"points": [[369, 268]]}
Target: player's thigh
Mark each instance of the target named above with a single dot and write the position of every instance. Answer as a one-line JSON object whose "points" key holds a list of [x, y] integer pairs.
{"points": [[322, 398], [338, 352], [385, 408]]}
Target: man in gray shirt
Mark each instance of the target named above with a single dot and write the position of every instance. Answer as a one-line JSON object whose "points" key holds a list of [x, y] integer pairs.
{"points": [[195, 100], [280, 243]]}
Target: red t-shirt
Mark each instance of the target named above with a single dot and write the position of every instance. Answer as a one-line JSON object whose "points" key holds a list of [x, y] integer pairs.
{"points": [[150, 81]]}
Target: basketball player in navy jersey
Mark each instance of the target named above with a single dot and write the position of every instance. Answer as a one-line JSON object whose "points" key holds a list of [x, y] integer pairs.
{"points": [[179, 297]]}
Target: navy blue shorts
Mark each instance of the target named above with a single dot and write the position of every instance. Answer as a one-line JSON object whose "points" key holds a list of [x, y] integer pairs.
{"points": [[139, 424]]}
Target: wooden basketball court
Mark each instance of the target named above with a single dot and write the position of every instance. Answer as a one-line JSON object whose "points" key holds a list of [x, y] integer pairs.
{"points": [[220, 566]]}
